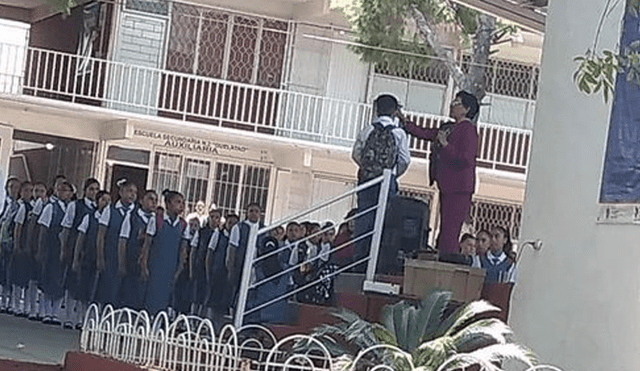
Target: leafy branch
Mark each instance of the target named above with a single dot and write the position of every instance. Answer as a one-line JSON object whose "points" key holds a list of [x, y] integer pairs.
{"points": [[597, 71]]}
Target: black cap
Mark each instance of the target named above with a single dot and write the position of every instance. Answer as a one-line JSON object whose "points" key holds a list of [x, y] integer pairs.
{"points": [[386, 105]]}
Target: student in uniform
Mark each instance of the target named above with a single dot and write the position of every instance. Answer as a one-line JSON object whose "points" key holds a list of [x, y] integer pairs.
{"points": [[237, 249], [500, 267], [132, 287], [22, 263], [49, 252], [217, 285], [107, 242], [34, 294], [76, 211], [84, 266], [208, 236], [160, 254], [12, 189], [183, 288]]}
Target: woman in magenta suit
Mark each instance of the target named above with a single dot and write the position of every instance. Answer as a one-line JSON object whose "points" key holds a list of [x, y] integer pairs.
{"points": [[453, 166]]}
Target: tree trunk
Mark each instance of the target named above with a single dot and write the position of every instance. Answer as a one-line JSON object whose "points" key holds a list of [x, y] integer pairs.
{"points": [[476, 83], [473, 81]]}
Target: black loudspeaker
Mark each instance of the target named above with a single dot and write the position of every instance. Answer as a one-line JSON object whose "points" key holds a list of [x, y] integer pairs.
{"points": [[406, 229]]}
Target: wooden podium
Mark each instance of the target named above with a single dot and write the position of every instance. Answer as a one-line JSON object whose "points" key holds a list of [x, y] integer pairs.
{"points": [[498, 294]]}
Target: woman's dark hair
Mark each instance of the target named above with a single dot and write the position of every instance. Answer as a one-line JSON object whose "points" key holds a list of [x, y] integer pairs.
{"points": [[253, 204], [101, 193], [470, 101], [467, 236], [24, 184], [67, 184], [10, 180], [149, 191], [89, 182], [125, 183], [170, 195], [508, 245]]}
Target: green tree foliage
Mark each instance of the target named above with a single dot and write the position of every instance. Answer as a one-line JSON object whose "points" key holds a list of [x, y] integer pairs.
{"points": [[63, 6], [597, 70], [412, 26]]}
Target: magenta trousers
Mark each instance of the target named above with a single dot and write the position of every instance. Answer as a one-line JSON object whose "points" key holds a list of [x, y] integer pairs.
{"points": [[454, 209]]}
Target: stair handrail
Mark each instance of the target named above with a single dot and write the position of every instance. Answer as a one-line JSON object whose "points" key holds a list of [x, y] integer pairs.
{"points": [[385, 183]]}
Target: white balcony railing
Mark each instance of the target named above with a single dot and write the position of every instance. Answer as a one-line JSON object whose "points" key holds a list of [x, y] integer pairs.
{"points": [[150, 91]]}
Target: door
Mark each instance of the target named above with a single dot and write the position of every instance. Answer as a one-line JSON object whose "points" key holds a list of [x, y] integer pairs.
{"points": [[6, 143], [135, 174]]}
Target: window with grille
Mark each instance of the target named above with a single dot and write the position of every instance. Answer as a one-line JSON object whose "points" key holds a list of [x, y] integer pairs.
{"points": [[509, 78], [228, 186], [166, 171], [487, 214], [195, 182], [435, 71], [220, 44]]}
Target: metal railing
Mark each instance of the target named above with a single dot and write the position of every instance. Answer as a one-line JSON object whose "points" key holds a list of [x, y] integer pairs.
{"points": [[151, 91], [192, 344], [252, 259]]}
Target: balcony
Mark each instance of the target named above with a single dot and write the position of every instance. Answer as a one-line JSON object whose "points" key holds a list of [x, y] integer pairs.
{"points": [[222, 103]]}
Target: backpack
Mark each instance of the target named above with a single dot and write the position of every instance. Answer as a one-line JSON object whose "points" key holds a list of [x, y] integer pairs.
{"points": [[380, 152]]}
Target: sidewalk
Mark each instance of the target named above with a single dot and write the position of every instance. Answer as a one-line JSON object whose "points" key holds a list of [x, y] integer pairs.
{"points": [[24, 340]]}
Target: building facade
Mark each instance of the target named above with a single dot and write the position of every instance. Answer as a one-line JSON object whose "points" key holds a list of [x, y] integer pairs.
{"points": [[231, 103]]}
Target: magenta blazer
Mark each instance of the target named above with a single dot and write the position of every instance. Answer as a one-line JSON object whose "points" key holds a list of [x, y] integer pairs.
{"points": [[456, 167]]}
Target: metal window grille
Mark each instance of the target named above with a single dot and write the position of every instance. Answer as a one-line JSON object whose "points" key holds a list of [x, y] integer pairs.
{"points": [[148, 6], [509, 78], [432, 70], [166, 171], [195, 182], [486, 214], [255, 187], [220, 44], [226, 187], [230, 186]]}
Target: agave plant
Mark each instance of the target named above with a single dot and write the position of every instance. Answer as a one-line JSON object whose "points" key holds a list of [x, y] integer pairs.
{"points": [[423, 337]]}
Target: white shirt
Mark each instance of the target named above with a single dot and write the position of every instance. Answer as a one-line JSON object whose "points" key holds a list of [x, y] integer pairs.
{"points": [[213, 241], [70, 214], [404, 156], [84, 224], [37, 207], [325, 247], [106, 215], [234, 237], [21, 215], [47, 212], [125, 229], [152, 227], [510, 275]]}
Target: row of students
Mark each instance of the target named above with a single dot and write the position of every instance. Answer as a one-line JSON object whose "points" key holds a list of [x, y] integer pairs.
{"points": [[491, 250]]}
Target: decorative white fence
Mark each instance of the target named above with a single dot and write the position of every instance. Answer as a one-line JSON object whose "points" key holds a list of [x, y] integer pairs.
{"points": [[190, 343], [218, 102]]}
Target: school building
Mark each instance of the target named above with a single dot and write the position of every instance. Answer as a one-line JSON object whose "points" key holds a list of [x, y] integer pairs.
{"points": [[238, 101]]}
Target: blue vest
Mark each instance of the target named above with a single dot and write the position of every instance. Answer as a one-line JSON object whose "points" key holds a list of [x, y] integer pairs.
{"points": [[495, 273], [245, 229]]}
